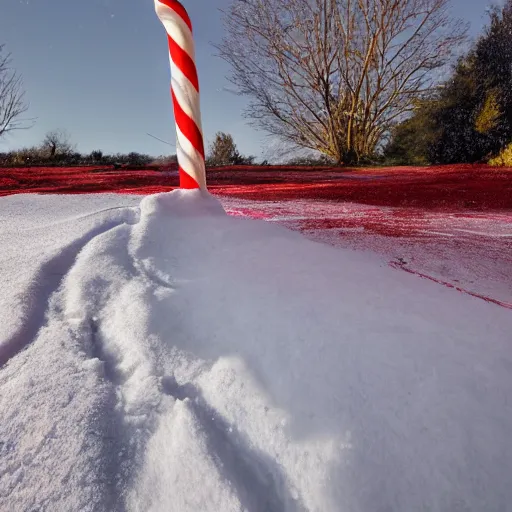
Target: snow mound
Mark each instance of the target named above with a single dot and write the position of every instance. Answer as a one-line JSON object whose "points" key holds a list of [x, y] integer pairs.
{"points": [[180, 359]]}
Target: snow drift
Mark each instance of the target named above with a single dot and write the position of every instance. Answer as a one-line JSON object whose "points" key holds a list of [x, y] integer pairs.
{"points": [[169, 357]]}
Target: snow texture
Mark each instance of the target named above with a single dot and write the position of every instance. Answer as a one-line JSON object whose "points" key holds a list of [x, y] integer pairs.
{"points": [[168, 357], [468, 249]]}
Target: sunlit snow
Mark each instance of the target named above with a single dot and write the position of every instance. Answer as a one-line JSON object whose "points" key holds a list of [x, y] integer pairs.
{"points": [[161, 355]]}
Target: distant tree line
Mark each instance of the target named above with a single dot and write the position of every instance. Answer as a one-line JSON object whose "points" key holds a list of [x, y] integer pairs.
{"points": [[468, 118], [57, 150]]}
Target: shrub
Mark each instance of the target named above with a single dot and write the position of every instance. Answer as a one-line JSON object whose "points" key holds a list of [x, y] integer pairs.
{"points": [[223, 151], [310, 161], [138, 160], [504, 159], [165, 162], [96, 156]]}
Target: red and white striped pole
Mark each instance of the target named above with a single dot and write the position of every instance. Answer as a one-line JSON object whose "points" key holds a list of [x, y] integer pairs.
{"points": [[185, 93]]}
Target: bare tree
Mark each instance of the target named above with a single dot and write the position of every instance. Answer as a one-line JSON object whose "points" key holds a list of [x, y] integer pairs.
{"points": [[335, 75], [12, 96], [57, 143]]}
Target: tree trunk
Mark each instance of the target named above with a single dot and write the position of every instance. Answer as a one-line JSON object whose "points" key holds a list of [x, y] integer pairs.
{"points": [[350, 157]]}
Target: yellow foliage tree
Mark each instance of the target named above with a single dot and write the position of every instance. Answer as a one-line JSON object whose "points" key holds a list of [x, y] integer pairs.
{"points": [[504, 159], [489, 115]]}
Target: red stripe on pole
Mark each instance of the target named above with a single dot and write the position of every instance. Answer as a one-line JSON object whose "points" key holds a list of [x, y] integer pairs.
{"points": [[188, 126], [179, 9], [186, 181], [184, 62]]}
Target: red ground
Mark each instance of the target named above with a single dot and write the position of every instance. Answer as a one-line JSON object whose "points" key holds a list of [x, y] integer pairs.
{"points": [[461, 187], [454, 187]]}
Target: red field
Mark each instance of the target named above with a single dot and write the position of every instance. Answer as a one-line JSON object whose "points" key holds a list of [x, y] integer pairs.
{"points": [[460, 187], [450, 224]]}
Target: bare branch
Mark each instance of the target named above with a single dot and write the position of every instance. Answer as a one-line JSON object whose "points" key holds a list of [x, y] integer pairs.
{"points": [[12, 97]]}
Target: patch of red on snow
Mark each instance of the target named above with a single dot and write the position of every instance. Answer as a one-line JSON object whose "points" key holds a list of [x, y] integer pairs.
{"points": [[248, 212], [470, 250]]}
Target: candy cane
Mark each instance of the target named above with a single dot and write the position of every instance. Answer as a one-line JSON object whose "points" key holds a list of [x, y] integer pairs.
{"points": [[185, 93]]}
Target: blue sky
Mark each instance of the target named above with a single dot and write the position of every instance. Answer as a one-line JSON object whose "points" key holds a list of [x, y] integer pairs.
{"points": [[99, 70]]}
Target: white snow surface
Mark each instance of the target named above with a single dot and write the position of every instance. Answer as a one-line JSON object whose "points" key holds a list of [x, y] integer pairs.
{"points": [[159, 355]]}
